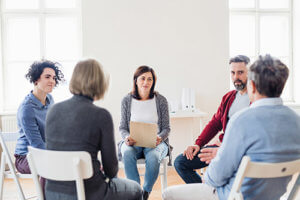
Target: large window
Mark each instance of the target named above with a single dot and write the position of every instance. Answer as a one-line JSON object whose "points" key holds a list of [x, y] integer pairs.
{"points": [[259, 27], [33, 30]]}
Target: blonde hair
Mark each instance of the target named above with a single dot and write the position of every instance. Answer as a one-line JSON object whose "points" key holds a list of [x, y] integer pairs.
{"points": [[88, 79]]}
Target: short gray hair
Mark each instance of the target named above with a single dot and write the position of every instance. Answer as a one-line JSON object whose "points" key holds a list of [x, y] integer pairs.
{"points": [[239, 58], [269, 75]]}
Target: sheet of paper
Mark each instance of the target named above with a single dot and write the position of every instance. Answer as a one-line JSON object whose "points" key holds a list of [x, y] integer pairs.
{"points": [[144, 134]]}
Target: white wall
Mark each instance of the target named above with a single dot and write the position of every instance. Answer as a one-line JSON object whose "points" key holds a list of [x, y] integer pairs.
{"points": [[186, 42]]}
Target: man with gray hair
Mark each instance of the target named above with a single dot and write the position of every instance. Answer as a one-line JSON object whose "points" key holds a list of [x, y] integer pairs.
{"points": [[267, 131]]}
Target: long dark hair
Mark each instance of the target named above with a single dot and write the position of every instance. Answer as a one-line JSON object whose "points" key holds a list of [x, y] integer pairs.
{"points": [[139, 71]]}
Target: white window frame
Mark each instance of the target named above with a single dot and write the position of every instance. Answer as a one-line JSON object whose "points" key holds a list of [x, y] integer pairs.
{"points": [[258, 12], [41, 12]]}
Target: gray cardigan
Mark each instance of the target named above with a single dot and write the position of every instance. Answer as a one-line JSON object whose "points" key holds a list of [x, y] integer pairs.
{"points": [[163, 120]]}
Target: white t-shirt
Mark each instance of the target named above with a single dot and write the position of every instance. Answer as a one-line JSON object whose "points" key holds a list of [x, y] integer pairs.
{"points": [[144, 111]]}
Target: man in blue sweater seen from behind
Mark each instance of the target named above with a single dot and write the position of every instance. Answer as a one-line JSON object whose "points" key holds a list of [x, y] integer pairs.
{"points": [[267, 131]]}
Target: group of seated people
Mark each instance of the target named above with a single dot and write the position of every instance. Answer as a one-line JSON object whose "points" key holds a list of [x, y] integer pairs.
{"points": [[253, 118]]}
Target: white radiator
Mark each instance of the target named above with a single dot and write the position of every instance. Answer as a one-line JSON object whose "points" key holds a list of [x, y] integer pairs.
{"points": [[9, 123]]}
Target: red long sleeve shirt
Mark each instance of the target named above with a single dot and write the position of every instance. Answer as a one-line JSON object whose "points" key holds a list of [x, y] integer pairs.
{"points": [[218, 121]]}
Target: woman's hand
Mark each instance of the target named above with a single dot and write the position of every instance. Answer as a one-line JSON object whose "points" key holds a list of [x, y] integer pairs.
{"points": [[129, 141], [158, 140]]}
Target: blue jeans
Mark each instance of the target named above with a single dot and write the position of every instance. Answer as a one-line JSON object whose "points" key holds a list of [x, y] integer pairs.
{"points": [[152, 156]]}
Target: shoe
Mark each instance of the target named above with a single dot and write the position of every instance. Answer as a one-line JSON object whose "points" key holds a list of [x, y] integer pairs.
{"points": [[145, 195]]}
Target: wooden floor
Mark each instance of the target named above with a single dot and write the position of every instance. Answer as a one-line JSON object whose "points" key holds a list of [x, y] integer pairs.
{"points": [[10, 192]]}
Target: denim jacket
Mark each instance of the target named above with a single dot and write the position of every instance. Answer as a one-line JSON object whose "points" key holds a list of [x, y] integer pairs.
{"points": [[31, 119]]}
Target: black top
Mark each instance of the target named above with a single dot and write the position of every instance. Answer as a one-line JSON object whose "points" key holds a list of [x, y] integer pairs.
{"points": [[78, 125]]}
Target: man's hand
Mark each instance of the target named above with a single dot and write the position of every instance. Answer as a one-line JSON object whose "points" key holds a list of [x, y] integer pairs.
{"points": [[129, 141], [207, 154], [158, 140], [191, 151]]}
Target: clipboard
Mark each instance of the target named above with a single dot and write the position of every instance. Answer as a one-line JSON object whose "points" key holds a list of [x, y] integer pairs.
{"points": [[144, 134]]}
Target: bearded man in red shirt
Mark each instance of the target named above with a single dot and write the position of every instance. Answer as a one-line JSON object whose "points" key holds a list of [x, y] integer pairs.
{"points": [[200, 154]]}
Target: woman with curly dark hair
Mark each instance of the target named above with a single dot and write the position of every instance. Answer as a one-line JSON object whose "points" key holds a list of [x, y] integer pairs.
{"points": [[31, 116]]}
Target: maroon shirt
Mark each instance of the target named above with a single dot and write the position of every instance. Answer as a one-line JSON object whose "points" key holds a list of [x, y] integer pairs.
{"points": [[218, 121]]}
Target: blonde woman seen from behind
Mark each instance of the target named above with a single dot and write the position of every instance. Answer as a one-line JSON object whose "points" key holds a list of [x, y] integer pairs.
{"points": [[78, 125]]}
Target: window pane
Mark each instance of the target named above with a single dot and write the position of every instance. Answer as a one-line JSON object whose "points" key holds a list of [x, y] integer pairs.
{"points": [[242, 35], [241, 3], [16, 85], [274, 4], [21, 4], [61, 92], [287, 92], [296, 50], [67, 70], [274, 35], [23, 39], [62, 38], [61, 3]]}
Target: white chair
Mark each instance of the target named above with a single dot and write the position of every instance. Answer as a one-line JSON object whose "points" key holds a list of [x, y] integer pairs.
{"points": [[295, 190], [163, 172], [251, 169], [60, 166], [11, 173]]}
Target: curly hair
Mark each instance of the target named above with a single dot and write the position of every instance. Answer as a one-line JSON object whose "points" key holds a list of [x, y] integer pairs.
{"points": [[37, 68]]}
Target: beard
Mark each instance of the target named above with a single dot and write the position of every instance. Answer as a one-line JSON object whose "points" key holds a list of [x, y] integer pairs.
{"points": [[239, 86]]}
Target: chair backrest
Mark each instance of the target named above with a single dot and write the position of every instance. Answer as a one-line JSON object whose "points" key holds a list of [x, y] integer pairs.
{"points": [[60, 166], [261, 170]]}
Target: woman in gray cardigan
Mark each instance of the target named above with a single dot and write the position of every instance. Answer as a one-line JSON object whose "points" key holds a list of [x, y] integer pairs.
{"points": [[144, 105], [78, 125]]}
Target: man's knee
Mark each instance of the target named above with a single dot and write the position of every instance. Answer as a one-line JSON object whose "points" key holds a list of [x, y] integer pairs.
{"points": [[167, 194], [180, 161]]}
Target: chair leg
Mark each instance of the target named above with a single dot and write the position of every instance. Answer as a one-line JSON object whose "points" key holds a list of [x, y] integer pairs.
{"points": [[164, 175], [2, 171], [16, 180]]}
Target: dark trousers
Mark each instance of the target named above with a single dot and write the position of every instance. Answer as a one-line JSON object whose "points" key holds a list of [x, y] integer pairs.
{"points": [[186, 168], [22, 166]]}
